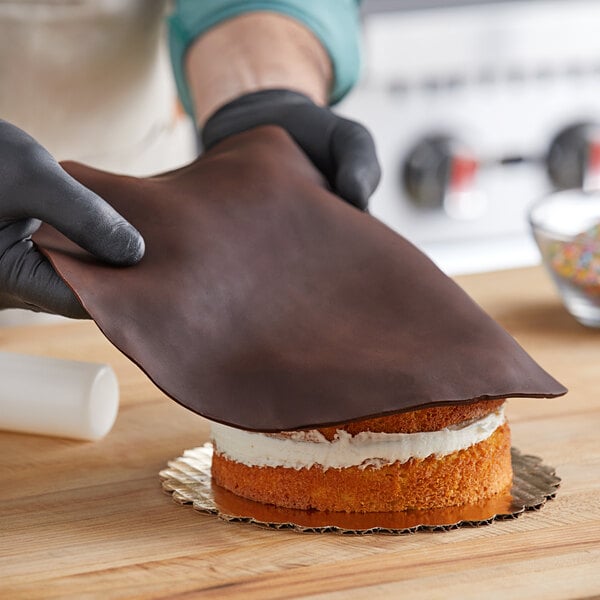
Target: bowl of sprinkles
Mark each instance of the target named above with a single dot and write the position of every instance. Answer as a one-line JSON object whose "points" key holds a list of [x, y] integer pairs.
{"points": [[566, 227]]}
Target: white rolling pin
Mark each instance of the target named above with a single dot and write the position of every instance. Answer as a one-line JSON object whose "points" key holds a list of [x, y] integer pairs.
{"points": [[63, 398]]}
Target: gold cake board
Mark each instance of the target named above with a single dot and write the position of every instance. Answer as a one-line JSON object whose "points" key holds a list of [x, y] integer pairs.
{"points": [[188, 480]]}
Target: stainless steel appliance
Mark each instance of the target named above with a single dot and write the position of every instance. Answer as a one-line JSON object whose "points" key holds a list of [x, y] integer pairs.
{"points": [[478, 108]]}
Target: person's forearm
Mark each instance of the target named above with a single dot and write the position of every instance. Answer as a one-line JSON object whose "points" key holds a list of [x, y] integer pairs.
{"points": [[253, 52]]}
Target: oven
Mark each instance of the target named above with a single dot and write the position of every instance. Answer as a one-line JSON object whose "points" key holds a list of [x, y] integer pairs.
{"points": [[478, 109]]}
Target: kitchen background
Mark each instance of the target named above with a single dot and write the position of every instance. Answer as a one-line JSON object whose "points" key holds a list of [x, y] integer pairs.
{"points": [[478, 109]]}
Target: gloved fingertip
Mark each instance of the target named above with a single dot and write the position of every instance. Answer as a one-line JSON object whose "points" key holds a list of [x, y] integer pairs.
{"points": [[35, 285], [76, 311], [64, 302], [127, 246], [67, 306], [356, 185]]}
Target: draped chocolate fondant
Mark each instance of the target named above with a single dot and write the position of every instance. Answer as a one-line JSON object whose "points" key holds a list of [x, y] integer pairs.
{"points": [[267, 303]]}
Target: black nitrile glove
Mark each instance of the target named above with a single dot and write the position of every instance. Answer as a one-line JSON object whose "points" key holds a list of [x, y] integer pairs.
{"points": [[341, 149], [34, 188]]}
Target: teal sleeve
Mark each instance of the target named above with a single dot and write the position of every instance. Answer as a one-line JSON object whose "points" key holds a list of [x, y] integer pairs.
{"points": [[334, 22]]}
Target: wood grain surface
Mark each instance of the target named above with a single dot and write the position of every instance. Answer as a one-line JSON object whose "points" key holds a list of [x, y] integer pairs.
{"points": [[89, 520]]}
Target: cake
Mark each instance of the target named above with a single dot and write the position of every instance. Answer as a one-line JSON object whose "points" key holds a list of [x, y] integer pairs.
{"points": [[423, 459], [266, 304]]}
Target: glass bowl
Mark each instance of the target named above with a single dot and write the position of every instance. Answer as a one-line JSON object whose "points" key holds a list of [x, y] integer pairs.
{"points": [[566, 227]]}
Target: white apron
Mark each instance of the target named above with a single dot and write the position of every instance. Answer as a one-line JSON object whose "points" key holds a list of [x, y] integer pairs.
{"points": [[91, 81]]}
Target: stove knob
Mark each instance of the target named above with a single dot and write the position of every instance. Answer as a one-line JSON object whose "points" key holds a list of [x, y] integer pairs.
{"points": [[440, 173], [573, 159]]}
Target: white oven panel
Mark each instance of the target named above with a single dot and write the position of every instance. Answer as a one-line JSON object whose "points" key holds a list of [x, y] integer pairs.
{"points": [[480, 93]]}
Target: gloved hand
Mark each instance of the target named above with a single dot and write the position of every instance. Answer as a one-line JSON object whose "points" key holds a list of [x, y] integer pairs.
{"points": [[341, 149], [34, 187]]}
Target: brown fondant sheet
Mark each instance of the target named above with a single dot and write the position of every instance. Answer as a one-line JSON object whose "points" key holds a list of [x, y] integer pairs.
{"points": [[267, 303]]}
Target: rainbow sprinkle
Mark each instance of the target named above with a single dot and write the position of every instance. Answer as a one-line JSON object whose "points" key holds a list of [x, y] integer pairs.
{"points": [[579, 260]]}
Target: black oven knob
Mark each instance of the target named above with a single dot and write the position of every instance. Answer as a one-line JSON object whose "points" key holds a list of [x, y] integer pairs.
{"points": [[573, 160], [439, 173]]}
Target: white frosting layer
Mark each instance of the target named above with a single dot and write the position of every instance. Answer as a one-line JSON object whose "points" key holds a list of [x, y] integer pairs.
{"points": [[303, 449]]}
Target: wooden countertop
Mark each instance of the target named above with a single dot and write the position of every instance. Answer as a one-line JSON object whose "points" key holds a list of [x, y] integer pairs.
{"points": [[89, 520]]}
